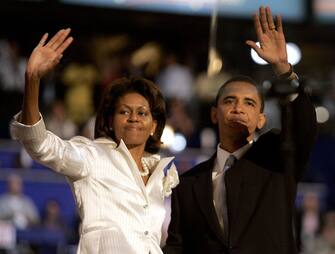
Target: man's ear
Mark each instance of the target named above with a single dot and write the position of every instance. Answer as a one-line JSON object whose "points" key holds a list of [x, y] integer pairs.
{"points": [[214, 115], [261, 121]]}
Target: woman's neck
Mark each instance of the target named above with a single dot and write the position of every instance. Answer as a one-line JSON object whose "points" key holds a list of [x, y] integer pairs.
{"points": [[137, 153]]}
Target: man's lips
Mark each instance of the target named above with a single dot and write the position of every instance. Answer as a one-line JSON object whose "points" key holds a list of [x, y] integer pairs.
{"points": [[237, 120]]}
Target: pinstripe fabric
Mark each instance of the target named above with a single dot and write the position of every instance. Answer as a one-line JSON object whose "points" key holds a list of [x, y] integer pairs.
{"points": [[119, 213]]}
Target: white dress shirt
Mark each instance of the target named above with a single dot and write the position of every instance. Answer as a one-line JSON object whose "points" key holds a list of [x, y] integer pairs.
{"points": [[217, 175], [119, 213]]}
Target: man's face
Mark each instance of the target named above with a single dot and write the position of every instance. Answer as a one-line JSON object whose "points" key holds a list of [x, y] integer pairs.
{"points": [[238, 111]]}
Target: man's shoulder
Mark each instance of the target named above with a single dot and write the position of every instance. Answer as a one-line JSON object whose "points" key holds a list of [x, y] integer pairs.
{"points": [[268, 137], [200, 168]]}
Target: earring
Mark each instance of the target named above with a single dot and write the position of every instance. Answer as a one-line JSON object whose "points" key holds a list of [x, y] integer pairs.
{"points": [[151, 134]]}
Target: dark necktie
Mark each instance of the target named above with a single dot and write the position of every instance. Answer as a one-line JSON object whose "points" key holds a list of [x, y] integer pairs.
{"points": [[228, 164]]}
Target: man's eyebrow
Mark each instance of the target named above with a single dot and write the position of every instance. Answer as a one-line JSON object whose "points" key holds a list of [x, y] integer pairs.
{"points": [[229, 97], [251, 99]]}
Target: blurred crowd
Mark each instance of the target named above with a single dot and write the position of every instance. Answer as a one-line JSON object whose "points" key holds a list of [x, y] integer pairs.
{"points": [[70, 95], [69, 99]]}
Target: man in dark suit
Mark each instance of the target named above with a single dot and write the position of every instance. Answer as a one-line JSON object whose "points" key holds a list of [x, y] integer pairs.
{"points": [[248, 208]]}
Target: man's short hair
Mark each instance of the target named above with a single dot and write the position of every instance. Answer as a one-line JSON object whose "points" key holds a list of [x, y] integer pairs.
{"points": [[240, 78]]}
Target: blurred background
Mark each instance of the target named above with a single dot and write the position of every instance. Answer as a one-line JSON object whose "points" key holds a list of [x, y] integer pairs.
{"points": [[189, 48]]}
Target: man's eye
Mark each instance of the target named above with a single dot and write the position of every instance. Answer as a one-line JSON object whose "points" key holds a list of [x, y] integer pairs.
{"points": [[249, 103]]}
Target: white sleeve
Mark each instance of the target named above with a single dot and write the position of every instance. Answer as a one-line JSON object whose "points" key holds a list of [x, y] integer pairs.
{"points": [[69, 158]]}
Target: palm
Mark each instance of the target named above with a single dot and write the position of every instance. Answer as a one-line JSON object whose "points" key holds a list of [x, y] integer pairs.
{"points": [[272, 46], [42, 60], [46, 56]]}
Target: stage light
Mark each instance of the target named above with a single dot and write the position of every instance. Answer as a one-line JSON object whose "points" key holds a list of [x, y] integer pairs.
{"points": [[179, 143], [322, 114], [293, 54], [167, 136]]}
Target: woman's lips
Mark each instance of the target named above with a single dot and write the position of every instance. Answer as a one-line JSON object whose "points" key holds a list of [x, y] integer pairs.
{"points": [[132, 128]]}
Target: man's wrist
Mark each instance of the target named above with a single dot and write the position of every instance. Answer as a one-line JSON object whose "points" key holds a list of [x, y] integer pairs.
{"points": [[286, 74], [289, 75]]}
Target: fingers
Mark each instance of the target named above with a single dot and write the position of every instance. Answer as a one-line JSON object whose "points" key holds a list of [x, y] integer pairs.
{"points": [[279, 24], [266, 20], [263, 19], [269, 18], [58, 39], [64, 45], [258, 26], [43, 40], [57, 60], [59, 42], [254, 46], [54, 38]]}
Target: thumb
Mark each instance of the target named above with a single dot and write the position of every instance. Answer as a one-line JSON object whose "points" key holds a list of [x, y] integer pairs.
{"points": [[254, 46]]}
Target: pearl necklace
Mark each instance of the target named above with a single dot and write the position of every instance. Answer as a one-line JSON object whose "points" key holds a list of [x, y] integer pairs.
{"points": [[145, 166]]}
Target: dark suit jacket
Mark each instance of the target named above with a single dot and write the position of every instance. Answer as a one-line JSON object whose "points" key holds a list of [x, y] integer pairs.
{"points": [[260, 197]]}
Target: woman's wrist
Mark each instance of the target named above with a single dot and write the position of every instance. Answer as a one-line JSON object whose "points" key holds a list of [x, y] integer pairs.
{"points": [[31, 76]]}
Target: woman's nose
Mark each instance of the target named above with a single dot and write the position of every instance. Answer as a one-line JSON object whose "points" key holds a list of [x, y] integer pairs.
{"points": [[132, 117]]}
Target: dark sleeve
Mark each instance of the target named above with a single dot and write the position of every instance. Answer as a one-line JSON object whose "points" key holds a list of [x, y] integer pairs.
{"points": [[304, 131], [174, 241]]}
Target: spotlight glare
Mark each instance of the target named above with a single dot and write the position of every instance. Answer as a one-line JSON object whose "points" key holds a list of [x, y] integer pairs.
{"points": [[322, 114], [179, 143], [167, 136], [293, 54]]}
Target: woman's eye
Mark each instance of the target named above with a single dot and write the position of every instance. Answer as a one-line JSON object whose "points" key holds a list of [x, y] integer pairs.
{"points": [[142, 113], [124, 112]]}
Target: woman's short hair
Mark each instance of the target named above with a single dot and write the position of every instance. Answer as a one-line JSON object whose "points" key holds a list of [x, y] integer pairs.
{"points": [[121, 87]]}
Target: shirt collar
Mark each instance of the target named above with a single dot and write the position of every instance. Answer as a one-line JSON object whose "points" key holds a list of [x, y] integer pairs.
{"points": [[222, 155], [152, 160]]}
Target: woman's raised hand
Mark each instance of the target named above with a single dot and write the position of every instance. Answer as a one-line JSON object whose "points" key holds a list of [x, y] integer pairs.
{"points": [[47, 55]]}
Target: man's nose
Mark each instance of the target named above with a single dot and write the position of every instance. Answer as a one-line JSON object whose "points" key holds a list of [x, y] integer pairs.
{"points": [[238, 107]]}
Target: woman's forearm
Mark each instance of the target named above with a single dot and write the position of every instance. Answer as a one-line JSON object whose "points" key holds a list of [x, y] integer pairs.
{"points": [[30, 109]]}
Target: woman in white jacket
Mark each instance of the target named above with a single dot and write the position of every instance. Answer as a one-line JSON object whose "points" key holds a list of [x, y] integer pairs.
{"points": [[118, 180]]}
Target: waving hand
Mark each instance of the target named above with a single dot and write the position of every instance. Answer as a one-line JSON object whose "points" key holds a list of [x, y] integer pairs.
{"points": [[271, 37], [43, 59], [46, 56]]}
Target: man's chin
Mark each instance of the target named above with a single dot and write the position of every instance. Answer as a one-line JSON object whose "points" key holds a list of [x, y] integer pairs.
{"points": [[239, 130]]}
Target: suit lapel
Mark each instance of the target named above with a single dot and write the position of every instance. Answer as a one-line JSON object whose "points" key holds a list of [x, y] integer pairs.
{"points": [[245, 182], [203, 189]]}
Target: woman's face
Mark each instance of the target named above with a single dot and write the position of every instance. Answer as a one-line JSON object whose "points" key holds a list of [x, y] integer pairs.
{"points": [[132, 121]]}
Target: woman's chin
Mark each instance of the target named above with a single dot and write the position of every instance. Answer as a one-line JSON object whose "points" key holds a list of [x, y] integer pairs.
{"points": [[133, 143]]}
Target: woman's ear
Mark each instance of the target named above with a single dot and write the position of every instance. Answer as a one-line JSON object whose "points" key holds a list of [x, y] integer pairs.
{"points": [[110, 124]]}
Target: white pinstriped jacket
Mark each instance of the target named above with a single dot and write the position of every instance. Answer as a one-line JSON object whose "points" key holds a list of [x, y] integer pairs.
{"points": [[119, 213]]}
